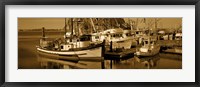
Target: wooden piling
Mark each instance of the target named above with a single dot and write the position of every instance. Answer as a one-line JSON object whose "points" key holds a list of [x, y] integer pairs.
{"points": [[110, 64], [111, 46], [102, 55], [43, 32]]}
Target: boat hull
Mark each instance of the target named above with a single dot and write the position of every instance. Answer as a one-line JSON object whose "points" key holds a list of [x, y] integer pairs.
{"points": [[149, 53], [94, 53]]}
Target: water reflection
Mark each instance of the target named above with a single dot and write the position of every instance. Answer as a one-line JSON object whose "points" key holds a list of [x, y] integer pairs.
{"points": [[155, 62], [135, 63]]}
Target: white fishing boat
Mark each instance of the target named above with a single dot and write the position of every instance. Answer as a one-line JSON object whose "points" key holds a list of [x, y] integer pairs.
{"points": [[130, 35], [116, 36], [84, 52], [178, 36], [69, 51], [139, 33], [148, 48], [71, 46]]}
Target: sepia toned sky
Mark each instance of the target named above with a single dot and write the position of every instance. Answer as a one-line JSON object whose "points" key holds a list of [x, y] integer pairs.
{"points": [[58, 23]]}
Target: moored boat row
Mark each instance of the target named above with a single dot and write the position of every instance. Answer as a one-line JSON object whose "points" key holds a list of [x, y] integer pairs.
{"points": [[91, 45]]}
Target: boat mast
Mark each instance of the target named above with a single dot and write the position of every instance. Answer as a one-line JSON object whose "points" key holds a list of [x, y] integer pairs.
{"points": [[65, 31], [156, 24], [117, 23], [137, 24], [78, 27], [111, 26], [71, 30], [92, 24], [131, 24], [43, 32]]}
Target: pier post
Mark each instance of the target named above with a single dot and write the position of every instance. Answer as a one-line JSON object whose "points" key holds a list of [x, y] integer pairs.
{"points": [[111, 46], [168, 36], [173, 36], [111, 64], [102, 55], [43, 33]]}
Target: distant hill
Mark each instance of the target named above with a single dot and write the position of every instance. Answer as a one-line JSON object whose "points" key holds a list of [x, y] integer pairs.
{"points": [[40, 30]]}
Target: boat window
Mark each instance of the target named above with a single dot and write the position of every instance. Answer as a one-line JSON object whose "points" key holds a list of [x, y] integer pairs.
{"points": [[128, 34], [118, 35], [152, 42], [96, 37], [146, 42], [85, 38]]}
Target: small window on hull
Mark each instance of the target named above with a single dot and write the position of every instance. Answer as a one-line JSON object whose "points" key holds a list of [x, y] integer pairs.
{"points": [[96, 37], [146, 42]]}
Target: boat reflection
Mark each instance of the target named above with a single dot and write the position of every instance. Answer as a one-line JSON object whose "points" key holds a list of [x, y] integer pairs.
{"points": [[148, 62]]}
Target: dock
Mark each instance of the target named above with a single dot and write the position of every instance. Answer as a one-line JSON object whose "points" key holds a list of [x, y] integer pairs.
{"points": [[173, 51], [119, 55], [170, 43]]}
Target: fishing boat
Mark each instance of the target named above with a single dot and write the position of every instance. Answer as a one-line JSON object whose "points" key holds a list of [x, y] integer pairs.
{"points": [[114, 36], [178, 36], [148, 48], [130, 35], [80, 49], [70, 47]]}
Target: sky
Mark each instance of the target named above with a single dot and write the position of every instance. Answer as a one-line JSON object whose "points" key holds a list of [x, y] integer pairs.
{"points": [[58, 23]]}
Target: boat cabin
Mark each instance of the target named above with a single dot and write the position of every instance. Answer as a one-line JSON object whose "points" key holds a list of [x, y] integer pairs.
{"points": [[148, 41], [46, 42], [113, 34], [178, 36], [128, 33], [139, 33], [81, 42], [108, 35]]}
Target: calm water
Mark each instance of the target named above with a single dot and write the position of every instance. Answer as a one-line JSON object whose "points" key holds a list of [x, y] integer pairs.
{"points": [[28, 57]]}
